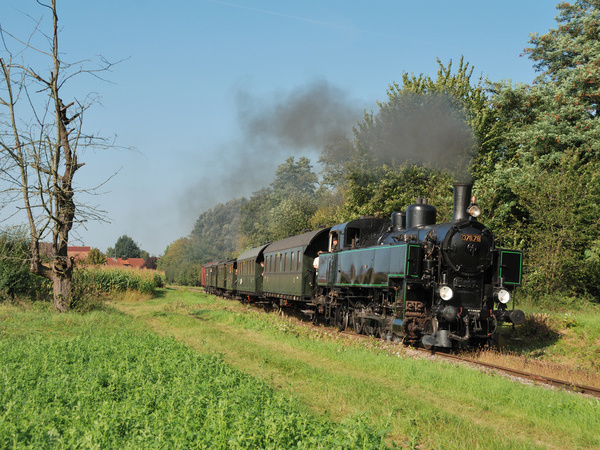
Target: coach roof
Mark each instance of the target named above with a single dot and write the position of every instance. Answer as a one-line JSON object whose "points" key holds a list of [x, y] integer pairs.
{"points": [[253, 253], [304, 240]]}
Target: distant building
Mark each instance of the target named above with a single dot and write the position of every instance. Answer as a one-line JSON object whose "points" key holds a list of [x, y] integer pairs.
{"points": [[78, 253], [132, 263]]}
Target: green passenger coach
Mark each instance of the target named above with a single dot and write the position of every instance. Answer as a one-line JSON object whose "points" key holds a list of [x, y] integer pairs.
{"points": [[289, 272], [250, 272]]}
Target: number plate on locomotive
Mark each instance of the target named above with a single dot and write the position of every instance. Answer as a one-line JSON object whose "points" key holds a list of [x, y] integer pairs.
{"points": [[471, 238]]}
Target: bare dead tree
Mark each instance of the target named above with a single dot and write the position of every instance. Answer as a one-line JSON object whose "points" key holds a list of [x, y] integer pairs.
{"points": [[41, 137]]}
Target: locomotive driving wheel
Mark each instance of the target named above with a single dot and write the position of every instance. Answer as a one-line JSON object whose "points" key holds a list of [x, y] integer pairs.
{"points": [[342, 317], [428, 328], [357, 321]]}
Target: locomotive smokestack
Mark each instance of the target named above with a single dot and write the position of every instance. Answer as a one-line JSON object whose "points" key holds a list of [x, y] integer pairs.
{"points": [[462, 197]]}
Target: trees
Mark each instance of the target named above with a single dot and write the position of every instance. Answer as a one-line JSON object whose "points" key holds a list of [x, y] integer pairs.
{"points": [[95, 258], [41, 138], [282, 209], [179, 265], [425, 135], [216, 232], [15, 278], [125, 247], [545, 184]]}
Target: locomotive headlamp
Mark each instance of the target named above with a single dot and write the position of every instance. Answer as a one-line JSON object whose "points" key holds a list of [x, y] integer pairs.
{"points": [[474, 210], [503, 296], [446, 293]]}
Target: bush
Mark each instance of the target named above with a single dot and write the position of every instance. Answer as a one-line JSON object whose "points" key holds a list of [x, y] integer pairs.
{"points": [[16, 281]]}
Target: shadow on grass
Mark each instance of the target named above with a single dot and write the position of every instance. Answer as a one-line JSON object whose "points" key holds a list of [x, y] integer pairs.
{"points": [[161, 293], [535, 334]]}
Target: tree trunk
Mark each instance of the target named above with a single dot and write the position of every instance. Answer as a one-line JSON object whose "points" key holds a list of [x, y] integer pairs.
{"points": [[61, 283]]}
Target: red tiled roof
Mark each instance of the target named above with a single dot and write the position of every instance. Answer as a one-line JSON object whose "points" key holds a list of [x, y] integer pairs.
{"points": [[78, 252], [78, 249], [135, 263]]}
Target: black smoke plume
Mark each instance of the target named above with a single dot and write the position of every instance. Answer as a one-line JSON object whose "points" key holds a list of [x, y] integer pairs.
{"points": [[431, 130]]}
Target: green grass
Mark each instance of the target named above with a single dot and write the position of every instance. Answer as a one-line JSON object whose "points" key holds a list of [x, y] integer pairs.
{"points": [[423, 403], [560, 329], [215, 373], [99, 380]]}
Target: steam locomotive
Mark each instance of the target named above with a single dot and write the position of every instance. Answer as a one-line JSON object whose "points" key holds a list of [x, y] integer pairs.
{"points": [[408, 278]]}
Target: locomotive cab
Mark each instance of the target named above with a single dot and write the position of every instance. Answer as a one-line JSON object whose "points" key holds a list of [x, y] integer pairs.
{"points": [[358, 233]]}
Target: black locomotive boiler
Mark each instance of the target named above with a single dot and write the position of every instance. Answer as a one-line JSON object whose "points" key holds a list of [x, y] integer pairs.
{"points": [[409, 278]]}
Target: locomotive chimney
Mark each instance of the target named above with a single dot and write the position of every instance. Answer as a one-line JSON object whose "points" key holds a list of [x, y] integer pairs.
{"points": [[462, 197]]}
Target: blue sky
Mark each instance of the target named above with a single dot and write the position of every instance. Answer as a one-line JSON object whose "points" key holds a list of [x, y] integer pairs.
{"points": [[195, 72]]}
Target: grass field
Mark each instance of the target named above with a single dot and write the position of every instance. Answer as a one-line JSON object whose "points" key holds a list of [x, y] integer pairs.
{"points": [[98, 380], [187, 370], [421, 403]]}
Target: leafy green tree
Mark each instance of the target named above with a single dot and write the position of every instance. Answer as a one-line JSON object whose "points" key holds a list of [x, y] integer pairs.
{"points": [[544, 183], [282, 209], [391, 189], [16, 280], [95, 258], [214, 237], [126, 247], [560, 111], [216, 232], [294, 177], [254, 223], [178, 264]]}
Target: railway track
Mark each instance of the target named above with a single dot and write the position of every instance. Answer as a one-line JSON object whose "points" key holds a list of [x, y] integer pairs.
{"points": [[535, 378], [567, 385]]}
